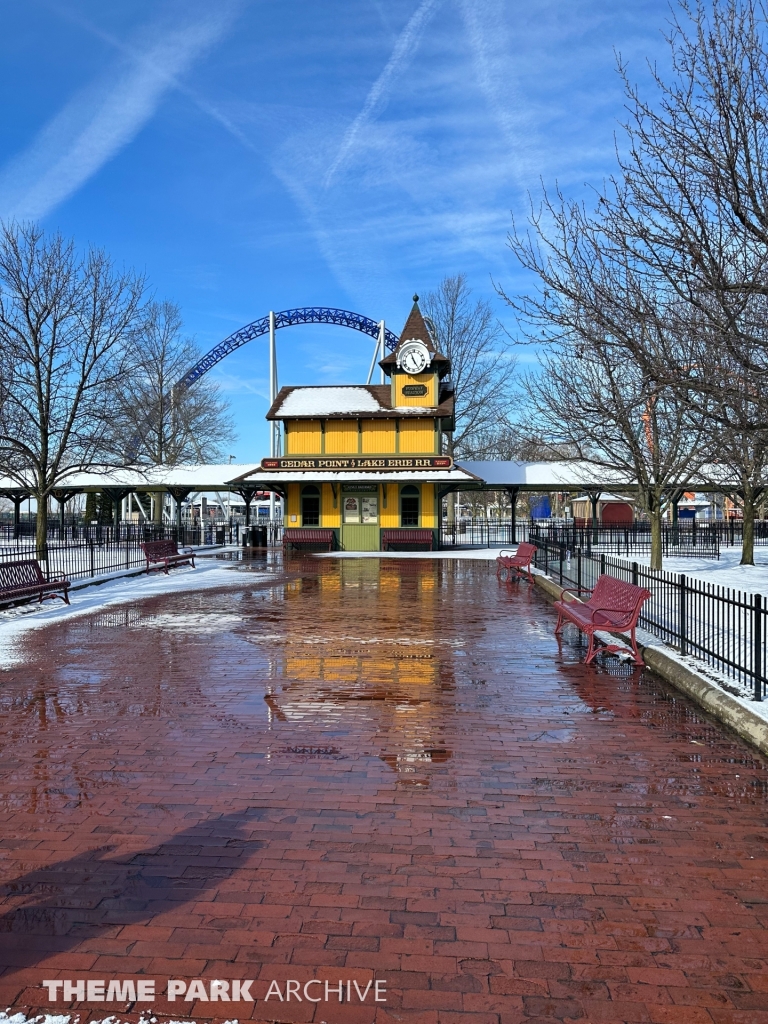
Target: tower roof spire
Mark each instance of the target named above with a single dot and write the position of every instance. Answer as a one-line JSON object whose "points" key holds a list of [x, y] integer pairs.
{"points": [[416, 328]]}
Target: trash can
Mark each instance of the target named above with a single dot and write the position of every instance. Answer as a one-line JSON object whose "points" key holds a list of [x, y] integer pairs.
{"points": [[255, 537]]}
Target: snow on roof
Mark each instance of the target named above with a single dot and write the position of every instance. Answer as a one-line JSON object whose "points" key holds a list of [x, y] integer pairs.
{"points": [[209, 477], [556, 475], [327, 401]]}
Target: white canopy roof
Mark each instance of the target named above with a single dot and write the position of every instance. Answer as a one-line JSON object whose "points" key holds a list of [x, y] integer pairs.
{"points": [[542, 476], [210, 477], [558, 476]]}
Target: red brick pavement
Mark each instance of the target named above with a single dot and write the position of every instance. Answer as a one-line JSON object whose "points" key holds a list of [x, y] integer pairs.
{"points": [[369, 770]]}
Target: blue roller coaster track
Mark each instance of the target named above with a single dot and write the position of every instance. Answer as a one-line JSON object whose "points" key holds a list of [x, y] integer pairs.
{"points": [[288, 317]]}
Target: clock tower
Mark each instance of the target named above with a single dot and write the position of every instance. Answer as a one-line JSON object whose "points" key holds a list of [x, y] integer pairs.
{"points": [[416, 368], [364, 465]]}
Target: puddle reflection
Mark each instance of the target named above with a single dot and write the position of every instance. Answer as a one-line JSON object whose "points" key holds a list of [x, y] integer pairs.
{"points": [[392, 661], [386, 662]]}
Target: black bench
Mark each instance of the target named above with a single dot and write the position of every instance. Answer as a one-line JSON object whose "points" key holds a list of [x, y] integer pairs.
{"points": [[25, 579], [162, 554]]}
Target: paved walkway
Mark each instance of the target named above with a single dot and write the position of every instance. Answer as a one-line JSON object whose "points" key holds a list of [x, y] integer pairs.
{"points": [[373, 770]]}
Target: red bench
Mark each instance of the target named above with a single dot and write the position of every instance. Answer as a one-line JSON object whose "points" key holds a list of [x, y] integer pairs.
{"points": [[613, 607], [165, 553], [511, 566], [406, 535], [300, 536], [23, 579]]}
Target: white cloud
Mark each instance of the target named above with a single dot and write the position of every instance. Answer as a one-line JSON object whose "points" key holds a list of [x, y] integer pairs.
{"points": [[101, 119], [402, 54], [502, 96], [493, 65]]}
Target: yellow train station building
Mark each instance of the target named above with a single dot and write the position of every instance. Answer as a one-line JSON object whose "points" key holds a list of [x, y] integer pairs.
{"points": [[366, 461]]}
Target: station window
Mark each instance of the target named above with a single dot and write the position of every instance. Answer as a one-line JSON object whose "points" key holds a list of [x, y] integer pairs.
{"points": [[409, 506], [310, 506]]}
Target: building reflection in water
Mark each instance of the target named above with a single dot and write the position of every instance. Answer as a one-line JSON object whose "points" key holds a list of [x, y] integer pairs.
{"points": [[384, 654]]}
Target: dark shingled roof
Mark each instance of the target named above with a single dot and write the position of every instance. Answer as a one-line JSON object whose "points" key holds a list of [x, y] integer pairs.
{"points": [[416, 329]]}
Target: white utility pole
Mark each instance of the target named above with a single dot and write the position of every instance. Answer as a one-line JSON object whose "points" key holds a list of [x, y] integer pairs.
{"points": [[272, 397]]}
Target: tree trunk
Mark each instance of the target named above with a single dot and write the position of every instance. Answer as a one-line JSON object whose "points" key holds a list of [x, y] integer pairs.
{"points": [[748, 535], [656, 552], [451, 498], [41, 528], [157, 509]]}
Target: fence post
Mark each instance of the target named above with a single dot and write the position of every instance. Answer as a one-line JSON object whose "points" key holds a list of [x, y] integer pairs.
{"points": [[578, 569], [634, 573], [127, 550], [602, 564], [683, 610], [90, 552], [562, 555], [757, 642]]}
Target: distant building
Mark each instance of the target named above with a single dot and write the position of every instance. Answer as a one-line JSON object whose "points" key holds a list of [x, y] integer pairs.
{"points": [[612, 510], [360, 459]]}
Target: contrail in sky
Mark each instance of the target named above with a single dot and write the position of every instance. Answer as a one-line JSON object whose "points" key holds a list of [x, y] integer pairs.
{"points": [[103, 118], [178, 84], [489, 43], [404, 49]]}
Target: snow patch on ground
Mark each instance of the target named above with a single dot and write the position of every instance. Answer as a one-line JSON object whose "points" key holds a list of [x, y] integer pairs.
{"points": [[15, 622], [750, 579], [740, 691]]}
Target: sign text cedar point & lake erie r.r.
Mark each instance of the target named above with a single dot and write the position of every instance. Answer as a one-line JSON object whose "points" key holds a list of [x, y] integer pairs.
{"points": [[359, 462]]}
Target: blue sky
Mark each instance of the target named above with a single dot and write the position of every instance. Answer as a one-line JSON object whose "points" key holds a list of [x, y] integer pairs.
{"points": [[264, 154]]}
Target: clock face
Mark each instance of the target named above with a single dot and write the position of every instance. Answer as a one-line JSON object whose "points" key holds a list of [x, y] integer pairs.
{"points": [[414, 357]]}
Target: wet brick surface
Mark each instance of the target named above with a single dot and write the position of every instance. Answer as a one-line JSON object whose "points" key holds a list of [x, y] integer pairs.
{"points": [[362, 770]]}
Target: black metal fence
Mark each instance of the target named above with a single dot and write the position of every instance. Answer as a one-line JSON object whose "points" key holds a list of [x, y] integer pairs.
{"points": [[725, 628], [92, 551], [687, 539], [482, 533], [88, 551]]}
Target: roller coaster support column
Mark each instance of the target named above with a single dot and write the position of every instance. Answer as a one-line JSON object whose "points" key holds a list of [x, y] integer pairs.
{"points": [[272, 396], [382, 349]]}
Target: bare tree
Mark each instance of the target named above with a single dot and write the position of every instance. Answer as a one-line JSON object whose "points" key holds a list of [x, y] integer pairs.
{"points": [[739, 451], [691, 206], [67, 326], [482, 367], [606, 327], [482, 370], [692, 199], [160, 425]]}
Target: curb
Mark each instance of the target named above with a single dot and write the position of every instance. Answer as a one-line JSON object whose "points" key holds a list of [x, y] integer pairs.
{"points": [[726, 708]]}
